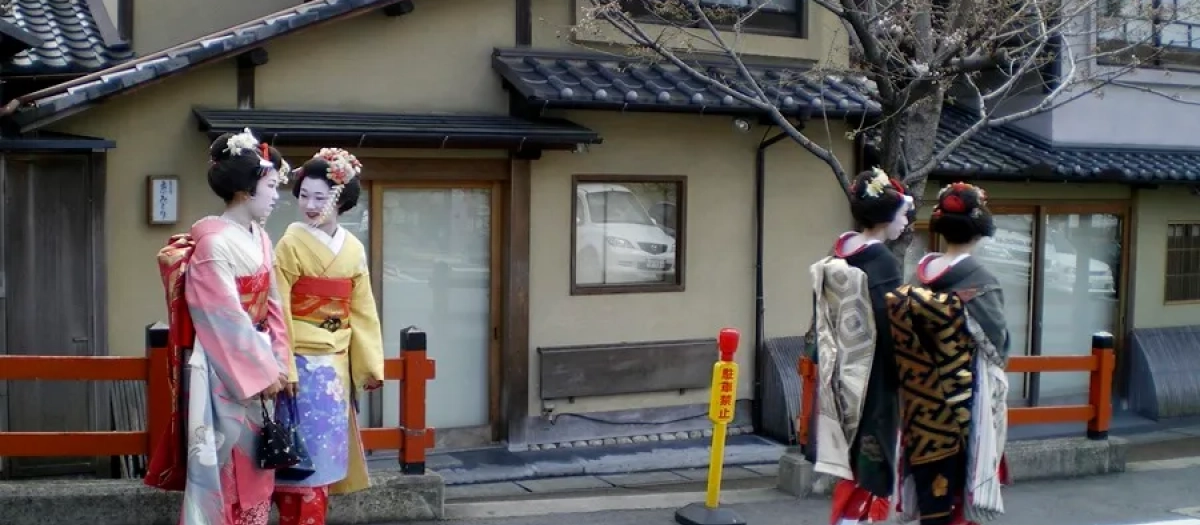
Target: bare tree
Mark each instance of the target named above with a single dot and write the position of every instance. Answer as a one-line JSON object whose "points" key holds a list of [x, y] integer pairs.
{"points": [[993, 57]]}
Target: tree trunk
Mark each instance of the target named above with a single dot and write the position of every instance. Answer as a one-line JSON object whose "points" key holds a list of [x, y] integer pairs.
{"points": [[912, 145]]}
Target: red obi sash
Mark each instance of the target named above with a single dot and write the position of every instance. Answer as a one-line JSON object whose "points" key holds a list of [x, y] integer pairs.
{"points": [[253, 292], [322, 301]]}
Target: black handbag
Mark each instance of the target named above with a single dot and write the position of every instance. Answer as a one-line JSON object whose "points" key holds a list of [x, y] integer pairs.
{"points": [[275, 450], [305, 467]]}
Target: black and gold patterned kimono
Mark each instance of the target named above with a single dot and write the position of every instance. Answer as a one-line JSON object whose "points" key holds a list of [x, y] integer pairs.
{"points": [[950, 334]]}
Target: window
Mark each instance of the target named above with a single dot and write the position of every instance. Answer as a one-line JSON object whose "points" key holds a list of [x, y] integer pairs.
{"points": [[1183, 262], [629, 234], [1159, 31], [779, 17], [1059, 267]]}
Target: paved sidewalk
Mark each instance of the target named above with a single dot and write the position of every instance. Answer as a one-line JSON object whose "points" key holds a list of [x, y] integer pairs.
{"points": [[1151, 492]]}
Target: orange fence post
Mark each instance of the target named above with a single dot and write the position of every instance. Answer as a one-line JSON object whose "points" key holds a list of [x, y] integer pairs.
{"points": [[158, 384], [418, 369], [1100, 388], [808, 385]]}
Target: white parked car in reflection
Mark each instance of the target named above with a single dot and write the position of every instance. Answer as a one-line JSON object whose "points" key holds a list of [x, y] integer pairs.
{"points": [[1009, 253], [616, 240]]}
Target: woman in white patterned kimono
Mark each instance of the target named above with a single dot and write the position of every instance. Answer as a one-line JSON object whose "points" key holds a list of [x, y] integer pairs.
{"points": [[241, 351], [331, 311], [857, 422]]}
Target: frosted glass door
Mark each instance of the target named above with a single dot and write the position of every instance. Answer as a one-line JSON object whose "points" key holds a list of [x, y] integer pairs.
{"points": [[436, 276], [1009, 255]]}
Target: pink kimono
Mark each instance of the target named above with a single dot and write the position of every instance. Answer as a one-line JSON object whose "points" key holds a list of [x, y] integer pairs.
{"points": [[241, 348]]}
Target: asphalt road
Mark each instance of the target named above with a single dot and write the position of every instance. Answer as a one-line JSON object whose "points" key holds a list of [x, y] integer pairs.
{"points": [[1134, 498]]}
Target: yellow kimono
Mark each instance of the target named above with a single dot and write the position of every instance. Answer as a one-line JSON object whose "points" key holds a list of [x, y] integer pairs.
{"points": [[337, 347]]}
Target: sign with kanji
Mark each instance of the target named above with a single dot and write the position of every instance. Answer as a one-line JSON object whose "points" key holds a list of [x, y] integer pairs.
{"points": [[724, 392]]}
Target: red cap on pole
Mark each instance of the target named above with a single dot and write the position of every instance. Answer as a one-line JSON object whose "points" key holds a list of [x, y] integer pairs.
{"points": [[727, 343]]}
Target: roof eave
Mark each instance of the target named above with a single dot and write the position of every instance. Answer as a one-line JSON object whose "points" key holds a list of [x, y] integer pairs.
{"points": [[447, 140], [687, 108]]}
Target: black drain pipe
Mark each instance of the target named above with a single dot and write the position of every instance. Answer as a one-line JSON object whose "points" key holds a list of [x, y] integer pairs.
{"points": [[760, 307]]}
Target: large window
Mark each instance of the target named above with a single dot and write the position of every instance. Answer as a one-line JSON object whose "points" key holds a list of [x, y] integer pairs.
{"points": [[628, 235], [1152, 31], [780, 17], [1052, 307], [1183, 262]]}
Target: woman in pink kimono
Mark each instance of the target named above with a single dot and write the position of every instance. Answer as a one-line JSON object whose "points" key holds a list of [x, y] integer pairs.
{"points": [[241, 355]]}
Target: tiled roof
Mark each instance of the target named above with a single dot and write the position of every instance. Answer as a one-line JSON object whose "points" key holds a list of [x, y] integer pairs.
{"points": [[42, 104], [70, 39], [1007, 153], [398, 130], [584, 80]]}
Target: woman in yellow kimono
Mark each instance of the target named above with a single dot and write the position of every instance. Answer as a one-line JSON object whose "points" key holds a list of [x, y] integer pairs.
{"points": [[336, 342]]}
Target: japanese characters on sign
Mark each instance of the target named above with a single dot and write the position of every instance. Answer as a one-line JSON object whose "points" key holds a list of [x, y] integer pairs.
{"points": [[164, 199], [724, 392]]}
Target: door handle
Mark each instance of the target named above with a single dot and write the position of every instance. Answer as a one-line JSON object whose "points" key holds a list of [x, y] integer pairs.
{"points": [[79, 339]]}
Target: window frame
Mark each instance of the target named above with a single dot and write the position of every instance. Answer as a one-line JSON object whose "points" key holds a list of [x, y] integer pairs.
{"points": [[1039, 209], [1167, 264], [679, 284], [790, 24]]}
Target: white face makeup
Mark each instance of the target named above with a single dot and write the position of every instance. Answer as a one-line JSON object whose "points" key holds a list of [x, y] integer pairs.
{"points": [[266, 194], [900, 221], [314, 198]]}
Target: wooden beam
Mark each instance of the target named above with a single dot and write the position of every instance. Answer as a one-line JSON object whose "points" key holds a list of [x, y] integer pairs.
{"points": [[70, 368], [246, 64]]}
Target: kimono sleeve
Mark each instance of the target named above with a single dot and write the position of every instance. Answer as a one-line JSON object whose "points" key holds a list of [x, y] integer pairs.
{"points": [[988, 309], [286, 272], [366, 339], [279, 326], [240, 356]]}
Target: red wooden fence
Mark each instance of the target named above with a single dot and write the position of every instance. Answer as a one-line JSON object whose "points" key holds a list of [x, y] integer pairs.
{"points": [[413, 369], [1097, 412]]}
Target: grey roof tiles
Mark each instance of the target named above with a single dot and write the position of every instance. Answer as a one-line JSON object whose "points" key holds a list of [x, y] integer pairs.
{"points": [[242, 37], [71, 40], [587, 80]]}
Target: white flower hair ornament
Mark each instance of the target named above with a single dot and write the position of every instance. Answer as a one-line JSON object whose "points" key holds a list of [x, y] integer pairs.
{"points": [[343, 168], [878, 183], [241, 142]]}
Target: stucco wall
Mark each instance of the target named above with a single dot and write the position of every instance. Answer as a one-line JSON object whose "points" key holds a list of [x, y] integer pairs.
{"points": [[1154, 209], [155, 135], [805, 211], [437, 58], [554, 20], [159, 24]]}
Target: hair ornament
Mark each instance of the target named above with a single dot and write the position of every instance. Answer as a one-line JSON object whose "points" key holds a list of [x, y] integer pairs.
{"points": [[343, 168], [241, 142]]}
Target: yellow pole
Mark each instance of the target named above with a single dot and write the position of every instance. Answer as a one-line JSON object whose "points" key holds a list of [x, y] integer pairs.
{"points": [[720, 411], [715, 464]]}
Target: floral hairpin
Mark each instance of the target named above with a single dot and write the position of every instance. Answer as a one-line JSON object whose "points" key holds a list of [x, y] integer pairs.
{"points": [[241, 142], [879, 183], [949, 199], [343, 168], [264, 153]]}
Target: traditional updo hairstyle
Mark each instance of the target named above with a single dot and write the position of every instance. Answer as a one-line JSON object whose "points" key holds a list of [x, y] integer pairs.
{"points": [[875, 198], [236, 163], [961, 215], [318, 168]]}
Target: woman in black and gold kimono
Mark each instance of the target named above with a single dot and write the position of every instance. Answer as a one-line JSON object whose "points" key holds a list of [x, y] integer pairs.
{"points": [[951, 350]]}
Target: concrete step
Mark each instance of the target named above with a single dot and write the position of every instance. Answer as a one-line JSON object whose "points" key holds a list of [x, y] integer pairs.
{"points": [[678, 480], [656, 497]]}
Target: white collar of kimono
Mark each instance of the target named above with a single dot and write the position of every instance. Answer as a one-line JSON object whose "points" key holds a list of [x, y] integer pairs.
{"points": [[333, 242]]}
